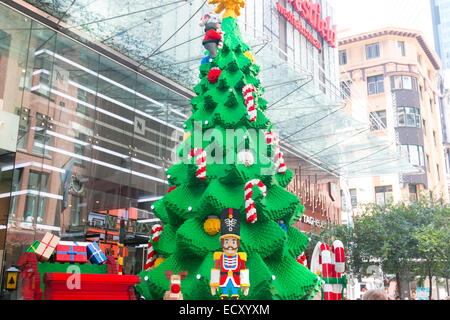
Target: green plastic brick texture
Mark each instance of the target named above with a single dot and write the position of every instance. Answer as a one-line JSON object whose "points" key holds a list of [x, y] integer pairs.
{"points": [[298, 213], [180, 200], [284, 179], [292, 280], [263, 238], [192, 240], [160, 211], [166, 246], [297, 241]]}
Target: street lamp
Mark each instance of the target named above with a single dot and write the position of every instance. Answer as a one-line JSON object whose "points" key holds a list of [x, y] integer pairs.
{"points": [[11, 278]]}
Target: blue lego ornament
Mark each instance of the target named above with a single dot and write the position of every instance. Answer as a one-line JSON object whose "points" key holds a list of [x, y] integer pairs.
{"points": [[206, 59]]}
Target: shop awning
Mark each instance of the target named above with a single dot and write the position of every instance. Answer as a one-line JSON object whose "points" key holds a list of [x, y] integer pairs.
{"points": [[163, 36]]}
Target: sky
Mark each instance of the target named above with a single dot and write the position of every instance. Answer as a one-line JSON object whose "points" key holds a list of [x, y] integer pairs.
{"points": [[357, 16]]}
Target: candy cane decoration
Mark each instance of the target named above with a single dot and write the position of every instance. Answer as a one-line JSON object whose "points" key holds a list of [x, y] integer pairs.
{"points": [[302, 260], [271, 140], [150, 257], [327, 270], [200, 161], [338, 257], [250, 101], [222, 33], [249, 203], [156, 232]]}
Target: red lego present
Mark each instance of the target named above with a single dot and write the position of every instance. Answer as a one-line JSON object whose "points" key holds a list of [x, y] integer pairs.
{"points": [[66, 253]]}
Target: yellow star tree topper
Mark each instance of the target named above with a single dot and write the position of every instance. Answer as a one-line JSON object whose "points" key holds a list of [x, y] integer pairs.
{"points": [[232, 7]]}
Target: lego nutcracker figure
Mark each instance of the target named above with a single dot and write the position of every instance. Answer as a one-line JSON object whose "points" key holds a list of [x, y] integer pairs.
{"points": [[229, 272]]}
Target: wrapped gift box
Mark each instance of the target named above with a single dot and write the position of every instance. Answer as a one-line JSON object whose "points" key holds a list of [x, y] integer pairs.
{"points": [[70, 253], [33, 247], [95, 254], [47, 246], [74, 243]]}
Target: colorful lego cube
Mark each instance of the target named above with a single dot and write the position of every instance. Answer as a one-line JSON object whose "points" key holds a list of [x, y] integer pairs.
{"points": [[72, 254], [33, 247], [47, 246], [95, 254]]}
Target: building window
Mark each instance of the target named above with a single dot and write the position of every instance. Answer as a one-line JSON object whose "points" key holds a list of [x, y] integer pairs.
{"points": [[75, 211], [412, 192], [78, 148], [424, 125], [401, 48], [414, 153], [375, 84], [431, 105], [409, 117], [383, 195], [24, 126], [378, 120], [428, 163], [342, 57], [434, 137], [372, 51], [346, 92], [419, 59], [82, 96], [438, 172], [34, 204], [40, 135], [403, 82]]}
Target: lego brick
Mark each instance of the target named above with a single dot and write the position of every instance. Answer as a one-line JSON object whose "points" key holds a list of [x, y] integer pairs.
{"points": [[47, 246], [91, 287], [70, 253], [33, 247], [95, 254]]}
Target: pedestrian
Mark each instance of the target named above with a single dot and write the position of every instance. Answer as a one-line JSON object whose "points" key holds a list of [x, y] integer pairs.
{"points": [[375, 294]]}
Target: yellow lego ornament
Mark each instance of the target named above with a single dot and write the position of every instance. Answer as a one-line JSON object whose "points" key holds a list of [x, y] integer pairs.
{"points": [[250, 55], [232, 7], [212, 225]]}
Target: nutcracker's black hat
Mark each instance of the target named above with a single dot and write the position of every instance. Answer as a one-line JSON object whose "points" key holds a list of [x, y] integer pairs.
{"points": [[230, 223]]}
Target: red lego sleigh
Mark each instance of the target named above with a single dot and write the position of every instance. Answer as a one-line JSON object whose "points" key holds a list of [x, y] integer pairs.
{"points": [[53, 281]]}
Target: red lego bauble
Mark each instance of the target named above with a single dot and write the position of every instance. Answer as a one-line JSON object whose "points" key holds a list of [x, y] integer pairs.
{"points": [[213, 75]]}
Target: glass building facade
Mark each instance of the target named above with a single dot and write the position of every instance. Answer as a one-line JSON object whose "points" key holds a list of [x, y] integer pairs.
{"points": [[93, 141], [440, 10]]}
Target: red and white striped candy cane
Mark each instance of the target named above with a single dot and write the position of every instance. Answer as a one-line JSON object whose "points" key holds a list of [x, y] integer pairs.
{"points": [[156, 232], [327, 270], [302, 260], [200, 161], [250, 101], [222, 33], [249, 203], [150, 257], [271, 140], [279, 160], [338, 256]]}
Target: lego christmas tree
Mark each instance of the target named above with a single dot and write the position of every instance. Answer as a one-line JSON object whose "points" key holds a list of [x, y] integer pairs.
{"points": [[229, 159]]}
